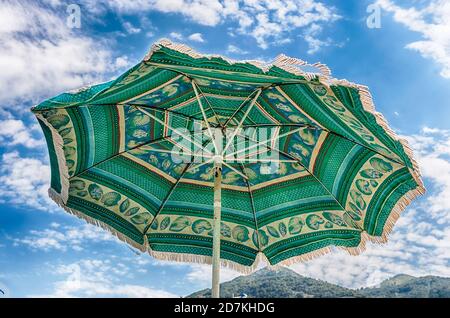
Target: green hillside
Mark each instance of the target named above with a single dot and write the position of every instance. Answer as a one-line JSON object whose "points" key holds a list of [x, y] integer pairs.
{"points": [[285, 283], [410, 286]]}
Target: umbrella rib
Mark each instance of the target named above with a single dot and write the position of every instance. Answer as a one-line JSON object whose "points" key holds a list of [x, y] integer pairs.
{"points": [[194, 154], [166, 198], [349, 139], [187, 117], [161, 110], [175, 153], [307, 170], [240, 107], [281, 125], [166, 110], [262, 160], [252, 202], [185, 170], [257, 143], [247, 112], [192, 81], [152, 89], [122, 152], [196, 87], [201, 164], [173, 129], [224, 163], [328, 131]]}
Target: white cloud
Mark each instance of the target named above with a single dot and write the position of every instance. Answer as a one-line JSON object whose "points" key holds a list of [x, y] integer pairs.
{"points": [[40, 55], [130, 28], [267, 21], [201, 275], [64, 238], [147, 26], [176, 36], [272, 21], [433, 24], [235, 50], [432, 147], [205, 12], [196, 37], [122, 62], [24, 181], [98, 278], [198, 276], [314, 43], [14, 132]]}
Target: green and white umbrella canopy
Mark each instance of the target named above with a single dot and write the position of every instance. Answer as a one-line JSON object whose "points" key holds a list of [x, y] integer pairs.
{"points": [[341, 177]]}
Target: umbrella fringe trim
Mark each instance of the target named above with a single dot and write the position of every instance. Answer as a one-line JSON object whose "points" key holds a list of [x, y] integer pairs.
{"points": [[183, 48], [389, 225], [55, 196], [292, 64], [286, 63], [369, 106], [394, 215], [203, 259], [305, 257], [58, 145], [261, 257]]}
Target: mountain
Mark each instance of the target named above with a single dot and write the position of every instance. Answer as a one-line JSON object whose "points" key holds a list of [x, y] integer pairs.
{"points": [[285, 283], [411, 287], [278, 283]]}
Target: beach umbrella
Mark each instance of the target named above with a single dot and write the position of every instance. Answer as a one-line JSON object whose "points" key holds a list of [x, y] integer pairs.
{"points": [[197, 158]]}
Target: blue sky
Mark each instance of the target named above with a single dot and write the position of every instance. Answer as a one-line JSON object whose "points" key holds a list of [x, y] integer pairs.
{"points": [[405, 62]]}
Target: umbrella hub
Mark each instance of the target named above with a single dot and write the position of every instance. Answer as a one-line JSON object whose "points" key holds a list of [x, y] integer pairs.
{"points": [[218, 160]]}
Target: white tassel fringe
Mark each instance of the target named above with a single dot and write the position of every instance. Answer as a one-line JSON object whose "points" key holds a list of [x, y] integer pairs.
{"points": [[289, 64], [58, 145]]}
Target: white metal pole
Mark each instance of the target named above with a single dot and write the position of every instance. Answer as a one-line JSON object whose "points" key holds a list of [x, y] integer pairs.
{"points": [[215, 290]]}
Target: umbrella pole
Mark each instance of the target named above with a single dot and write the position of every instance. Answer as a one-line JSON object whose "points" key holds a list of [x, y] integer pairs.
{"points": [[215, 290]]}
